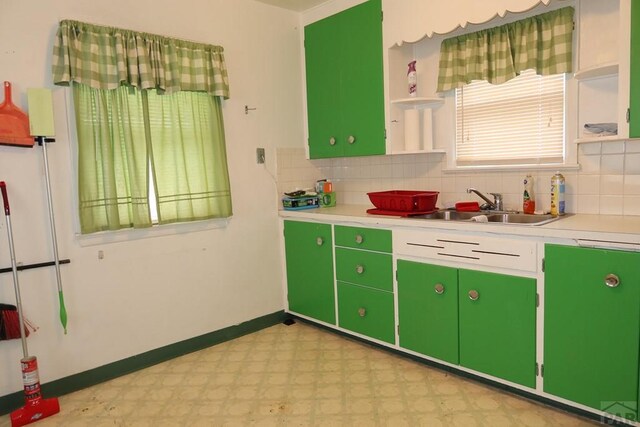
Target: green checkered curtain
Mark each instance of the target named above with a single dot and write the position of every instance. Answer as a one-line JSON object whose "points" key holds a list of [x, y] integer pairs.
{"points": [[106, 58], [496, 55]]}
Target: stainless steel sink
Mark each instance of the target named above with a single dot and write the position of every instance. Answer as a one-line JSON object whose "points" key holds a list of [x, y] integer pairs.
{"points": [[492, 217], [518, 218], [450, 215]]}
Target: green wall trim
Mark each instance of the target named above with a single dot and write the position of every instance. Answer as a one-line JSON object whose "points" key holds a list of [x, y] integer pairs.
{"points": [[113, 370]]}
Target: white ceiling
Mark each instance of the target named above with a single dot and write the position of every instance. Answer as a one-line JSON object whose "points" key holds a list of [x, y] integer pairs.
{"points": [[295, 5]]}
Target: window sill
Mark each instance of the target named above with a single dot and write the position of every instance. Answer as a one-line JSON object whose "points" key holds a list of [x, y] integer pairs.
{"points": [[106, 237], [507, 168]]}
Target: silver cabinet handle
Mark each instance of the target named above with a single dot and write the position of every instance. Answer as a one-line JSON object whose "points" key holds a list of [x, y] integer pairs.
{"points": [[360, 269], [439, 288], [611, 280], [474, 295], [362, 312], [351, 139], [332, 141], [359, 238], [319, 241]]}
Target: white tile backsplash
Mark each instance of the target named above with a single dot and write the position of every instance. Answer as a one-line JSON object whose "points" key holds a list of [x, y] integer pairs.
{"points": [[608, 181]]}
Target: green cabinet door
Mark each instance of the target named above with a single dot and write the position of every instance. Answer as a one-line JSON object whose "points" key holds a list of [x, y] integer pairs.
{"points": [[345, 98], [497, 315], [428, 309], [634, 75], [366, 311], [361, 82], [322, 63], [309, 259], [591, 327]]}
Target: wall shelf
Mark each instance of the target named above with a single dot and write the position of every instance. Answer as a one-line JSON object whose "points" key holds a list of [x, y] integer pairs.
{"points": [[418, 102], [602, 70], [434, 151], [607, 138]]}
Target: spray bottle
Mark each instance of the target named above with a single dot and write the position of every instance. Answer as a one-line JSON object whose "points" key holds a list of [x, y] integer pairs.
{"points": [[528, 197], [412, 79]]}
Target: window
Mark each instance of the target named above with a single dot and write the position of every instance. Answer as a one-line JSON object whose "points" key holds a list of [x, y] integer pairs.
{"points": [[149, 124], [521, 121]]}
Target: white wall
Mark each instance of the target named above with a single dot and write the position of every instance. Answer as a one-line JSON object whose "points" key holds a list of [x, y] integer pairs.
{"points": [[149, 292]]}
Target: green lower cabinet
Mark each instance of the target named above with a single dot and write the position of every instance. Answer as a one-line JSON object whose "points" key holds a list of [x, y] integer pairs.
{"points": [[366, 311], [309, 257], [428, 309], [591, 328], [497, 315]]}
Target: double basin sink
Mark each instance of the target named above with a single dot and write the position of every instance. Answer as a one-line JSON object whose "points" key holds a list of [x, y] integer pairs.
{"points": [[491, 217]]}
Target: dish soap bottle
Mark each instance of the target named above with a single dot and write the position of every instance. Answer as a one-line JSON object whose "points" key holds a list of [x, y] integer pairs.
{"points": [[412, 79], [557, 194], [528, 197]]}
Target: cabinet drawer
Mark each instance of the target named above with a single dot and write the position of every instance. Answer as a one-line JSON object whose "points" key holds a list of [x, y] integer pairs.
{"points": [[363, 238], [370, 269], [366, 311], [502, 252]]}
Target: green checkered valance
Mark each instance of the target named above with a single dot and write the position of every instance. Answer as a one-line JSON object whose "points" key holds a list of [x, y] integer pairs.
{"points": [[498, 54], [107, 57]]}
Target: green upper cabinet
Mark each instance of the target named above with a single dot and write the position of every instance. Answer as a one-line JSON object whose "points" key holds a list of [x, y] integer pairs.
{"points": [[634, 84], [345, 88], [591, 336], [309, 257], [428, 309], [498, 325]]}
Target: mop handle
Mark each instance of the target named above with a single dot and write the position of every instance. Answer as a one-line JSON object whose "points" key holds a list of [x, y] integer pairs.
{"points": [[54, 238], [14, 268]]}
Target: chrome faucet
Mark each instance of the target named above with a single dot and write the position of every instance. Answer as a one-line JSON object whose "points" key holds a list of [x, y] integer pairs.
{"points": [[495, 205]]}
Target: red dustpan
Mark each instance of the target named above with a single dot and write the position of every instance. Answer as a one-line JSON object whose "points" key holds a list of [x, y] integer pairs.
{"points": [[14, 123]]}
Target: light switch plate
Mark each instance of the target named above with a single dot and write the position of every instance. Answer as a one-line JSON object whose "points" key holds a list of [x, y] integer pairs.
{"points": [[260, 155]]}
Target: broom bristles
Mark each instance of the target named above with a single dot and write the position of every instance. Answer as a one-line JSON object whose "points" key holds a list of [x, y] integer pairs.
{"points": [[10, 323]]}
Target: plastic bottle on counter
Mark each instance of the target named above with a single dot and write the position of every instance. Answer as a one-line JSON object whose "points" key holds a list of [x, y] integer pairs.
{"points": [[528, 197], [412, 79], [557, 194]]}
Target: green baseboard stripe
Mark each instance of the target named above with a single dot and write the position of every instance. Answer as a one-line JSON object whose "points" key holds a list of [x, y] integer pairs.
{"points": [[113, 370], [534, 397]]}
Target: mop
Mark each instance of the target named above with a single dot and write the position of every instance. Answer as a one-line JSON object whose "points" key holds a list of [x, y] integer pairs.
{"points": [[35, 407]]}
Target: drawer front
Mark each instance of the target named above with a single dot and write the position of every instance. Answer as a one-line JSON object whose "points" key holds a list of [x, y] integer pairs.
{"points": [[478, 250], [366, 311], [370, 269], [363, 238]]}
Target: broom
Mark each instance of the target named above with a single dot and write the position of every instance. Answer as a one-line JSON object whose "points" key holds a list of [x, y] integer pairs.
{"points": [[10, 323], [35, 407]]}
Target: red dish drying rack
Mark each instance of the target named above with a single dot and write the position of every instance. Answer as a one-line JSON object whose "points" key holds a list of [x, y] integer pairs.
{"points": [[403, 202]]}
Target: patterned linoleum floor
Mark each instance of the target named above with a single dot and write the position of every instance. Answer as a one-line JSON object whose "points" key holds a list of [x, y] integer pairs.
{"points": [[297, 375]]}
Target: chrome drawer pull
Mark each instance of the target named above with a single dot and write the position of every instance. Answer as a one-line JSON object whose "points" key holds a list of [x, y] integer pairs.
{"points": [[474, 295], [359, 269], [362, 311], [351, 139], [359, 239], [439, 288], [319, 241], [332, 141]]}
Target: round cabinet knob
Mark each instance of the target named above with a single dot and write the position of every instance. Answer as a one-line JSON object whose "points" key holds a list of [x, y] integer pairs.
{"points": [[474, 295], [611, 280], [359, 239], [439, 288], [351, 139], [359, 269], [362, 311], [332, 141], [319, 241]]}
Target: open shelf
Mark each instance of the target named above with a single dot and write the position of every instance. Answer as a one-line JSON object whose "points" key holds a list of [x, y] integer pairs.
{"points": [[602, 70], [417, 102], [434, 151]]}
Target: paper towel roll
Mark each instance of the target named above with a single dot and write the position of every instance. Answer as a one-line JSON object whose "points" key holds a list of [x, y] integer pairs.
{"points": [[427, 130], [480, 218], [412, 130]]}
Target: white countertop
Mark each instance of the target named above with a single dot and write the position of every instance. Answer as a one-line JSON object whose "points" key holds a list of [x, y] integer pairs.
{"points": [[608, 229]]}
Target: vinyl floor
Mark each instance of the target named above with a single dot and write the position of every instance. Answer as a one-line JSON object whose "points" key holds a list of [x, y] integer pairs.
{"points": [[297, 375]]}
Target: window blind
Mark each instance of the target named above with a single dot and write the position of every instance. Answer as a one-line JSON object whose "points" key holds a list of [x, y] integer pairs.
{"points": [[518, 122]]}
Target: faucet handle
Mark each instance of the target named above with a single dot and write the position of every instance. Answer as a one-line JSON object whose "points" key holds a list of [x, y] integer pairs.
{"points": [[497, 201], [497, 196]]}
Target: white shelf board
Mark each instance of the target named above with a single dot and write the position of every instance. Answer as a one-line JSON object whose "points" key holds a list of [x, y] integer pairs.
{"points": [[434, 151], [608, 138], [425, 102], [602, 70]]}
